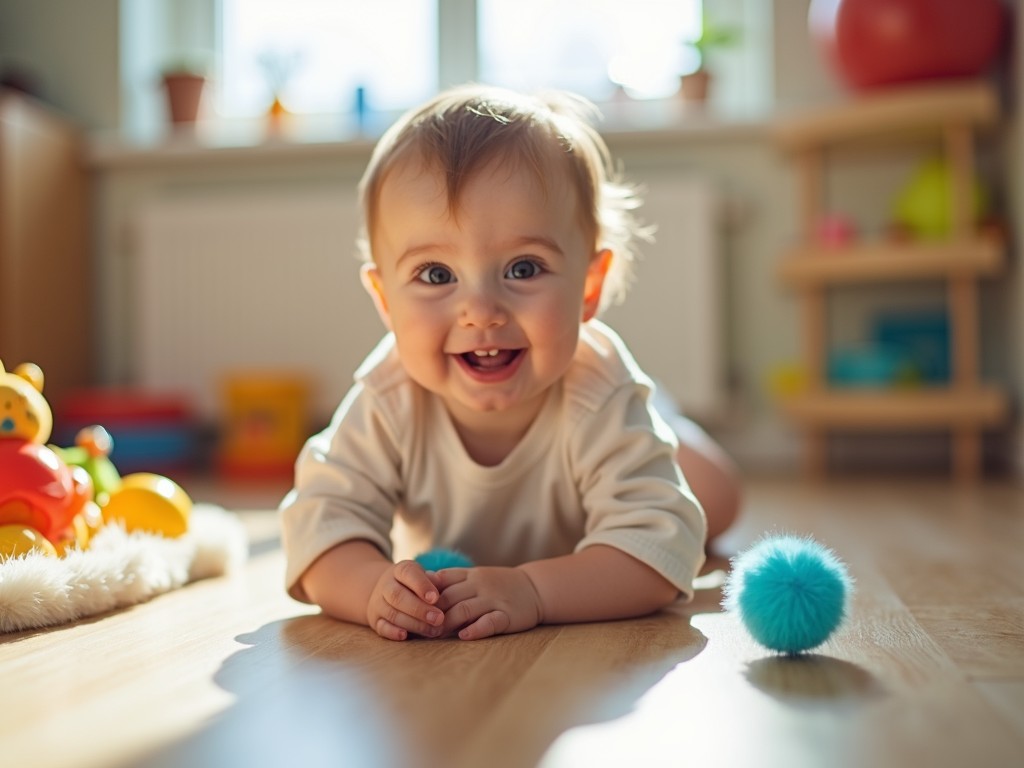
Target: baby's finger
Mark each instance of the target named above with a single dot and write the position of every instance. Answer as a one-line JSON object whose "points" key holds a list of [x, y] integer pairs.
{"points": [[392, 632], [403, 609], [445, 578], [432, 575], [389, 631], [464, 612], [411, 575], [455, 594], [488, 625]]}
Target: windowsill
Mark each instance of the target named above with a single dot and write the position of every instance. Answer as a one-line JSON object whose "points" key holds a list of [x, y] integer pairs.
{"points": [[338, 136]]}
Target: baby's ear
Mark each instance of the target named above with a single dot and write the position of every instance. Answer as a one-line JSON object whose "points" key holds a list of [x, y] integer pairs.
{"points": [[370, 276], [596, 273]]}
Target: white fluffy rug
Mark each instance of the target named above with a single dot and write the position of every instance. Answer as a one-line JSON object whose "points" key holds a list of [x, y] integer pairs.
{"points": [[119, 569]]}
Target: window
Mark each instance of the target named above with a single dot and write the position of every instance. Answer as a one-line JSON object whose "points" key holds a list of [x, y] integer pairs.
{"points": [[314, 54], [588, 46], [317, 55]]}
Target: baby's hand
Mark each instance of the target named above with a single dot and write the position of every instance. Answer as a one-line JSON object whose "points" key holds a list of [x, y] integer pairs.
{"points": [[487, 601], [403, 601]]}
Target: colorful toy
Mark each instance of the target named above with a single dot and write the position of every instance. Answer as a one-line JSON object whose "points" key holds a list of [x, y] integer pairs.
{"points": [[91, 452], [47, 494], [872, 365], [439, 559], [141, 501], [39, 491], [922, 208], [151, 431], [835, 230], [872, 43], [148, 502], [921, 339], [791, 593], [787, 379], [18, 540], [265, 423]]}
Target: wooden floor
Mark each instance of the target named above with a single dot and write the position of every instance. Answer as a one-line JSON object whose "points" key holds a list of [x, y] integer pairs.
{"points": [[929, 671]]}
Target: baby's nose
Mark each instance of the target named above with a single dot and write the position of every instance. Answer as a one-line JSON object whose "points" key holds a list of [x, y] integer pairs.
{"points": [[482, 309]]}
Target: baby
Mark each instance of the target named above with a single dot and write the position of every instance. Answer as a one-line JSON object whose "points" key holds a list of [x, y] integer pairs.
{"points": [[499, 416]]}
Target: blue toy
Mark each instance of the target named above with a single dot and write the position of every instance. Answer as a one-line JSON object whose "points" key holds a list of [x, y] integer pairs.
{"points": [[439, 559], [790, 592]]}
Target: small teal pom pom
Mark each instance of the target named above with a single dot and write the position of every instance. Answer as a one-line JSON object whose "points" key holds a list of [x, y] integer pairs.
{"points": [[439, 559], [790, 592]]}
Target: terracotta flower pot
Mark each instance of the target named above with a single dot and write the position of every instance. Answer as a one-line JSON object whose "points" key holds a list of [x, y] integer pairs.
{"points": [[694, 86], [184, 93]]}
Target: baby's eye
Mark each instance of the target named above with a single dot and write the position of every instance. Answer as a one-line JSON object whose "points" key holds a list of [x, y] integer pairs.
{"points": [[523, 270], [435, 274]]}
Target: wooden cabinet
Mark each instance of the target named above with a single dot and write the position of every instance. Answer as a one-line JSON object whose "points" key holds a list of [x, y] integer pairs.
{"points": [[45, 276], [950, 114]]}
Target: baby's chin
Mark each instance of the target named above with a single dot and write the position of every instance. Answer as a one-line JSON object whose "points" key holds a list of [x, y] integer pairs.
{"points": [[498, 404]]}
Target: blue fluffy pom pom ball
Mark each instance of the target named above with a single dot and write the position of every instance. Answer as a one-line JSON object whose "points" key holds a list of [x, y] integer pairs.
{"points": [[439, 559], [790, 592]]}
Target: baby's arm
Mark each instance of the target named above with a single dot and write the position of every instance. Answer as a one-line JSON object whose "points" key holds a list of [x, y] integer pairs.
{"points": [[596, 584], [355, 582]]}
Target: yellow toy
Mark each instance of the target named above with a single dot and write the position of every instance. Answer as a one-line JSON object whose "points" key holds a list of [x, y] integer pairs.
{"points": [[20, 540], [38, 491], [148, 502], [47, 494]]}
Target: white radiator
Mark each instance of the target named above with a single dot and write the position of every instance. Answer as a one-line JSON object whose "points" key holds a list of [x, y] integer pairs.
{"points": [[673, 318], [246, 282]]}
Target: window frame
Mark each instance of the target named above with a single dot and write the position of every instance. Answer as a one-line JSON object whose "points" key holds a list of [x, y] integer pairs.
{"points": [[155, 32]]}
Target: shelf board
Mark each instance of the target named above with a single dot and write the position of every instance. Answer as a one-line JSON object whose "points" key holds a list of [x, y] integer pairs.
{"points": [[981, 256], [911, 408], [894, 111]]}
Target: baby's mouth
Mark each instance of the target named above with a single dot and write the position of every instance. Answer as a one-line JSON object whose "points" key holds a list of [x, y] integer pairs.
{"points": [[490, 359]]}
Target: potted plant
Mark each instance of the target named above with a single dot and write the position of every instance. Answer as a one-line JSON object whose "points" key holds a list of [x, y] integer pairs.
{"points": [[183, 85], [695, 85]]}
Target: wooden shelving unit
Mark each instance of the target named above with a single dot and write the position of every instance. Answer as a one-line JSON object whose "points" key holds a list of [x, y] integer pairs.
{"points": [[883, 262], [951, 112]]}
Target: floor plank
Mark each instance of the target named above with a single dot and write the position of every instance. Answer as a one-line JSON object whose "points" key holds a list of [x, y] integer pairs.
{"points": [[1007, 698]]}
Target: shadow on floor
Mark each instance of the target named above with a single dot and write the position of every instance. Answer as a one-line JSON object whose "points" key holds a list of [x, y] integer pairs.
{"points": [[311, 691]]}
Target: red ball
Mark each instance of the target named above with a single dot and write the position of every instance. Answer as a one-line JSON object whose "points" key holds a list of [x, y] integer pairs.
{"points": [[873, 43]]}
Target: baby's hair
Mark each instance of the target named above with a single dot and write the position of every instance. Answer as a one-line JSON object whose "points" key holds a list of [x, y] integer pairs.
{"points": [[461, 130]]}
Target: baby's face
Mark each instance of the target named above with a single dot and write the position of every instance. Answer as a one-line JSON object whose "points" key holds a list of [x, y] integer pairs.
{"points": [[485, 304]]}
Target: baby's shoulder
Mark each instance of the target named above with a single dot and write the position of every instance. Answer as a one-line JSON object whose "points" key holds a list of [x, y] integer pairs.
{"points": [[384, 379], [602, 369]]}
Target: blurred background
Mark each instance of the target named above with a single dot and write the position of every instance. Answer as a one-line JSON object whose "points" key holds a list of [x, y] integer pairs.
{"points": [[185, 275]]}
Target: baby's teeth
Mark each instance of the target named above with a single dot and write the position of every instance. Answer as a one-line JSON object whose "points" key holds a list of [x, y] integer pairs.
{"points": [[485, 353]]}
